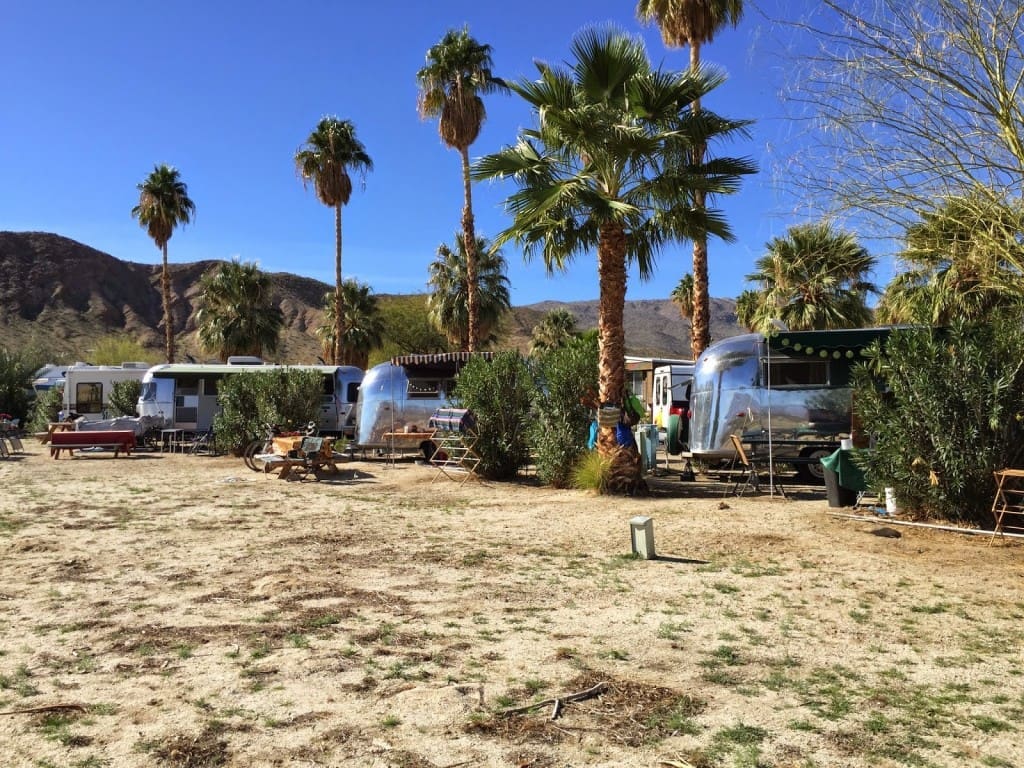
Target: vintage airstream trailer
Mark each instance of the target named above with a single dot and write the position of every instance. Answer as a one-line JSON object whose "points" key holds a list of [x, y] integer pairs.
{"points": [[401, 395], [792, 386], [184, 395]]}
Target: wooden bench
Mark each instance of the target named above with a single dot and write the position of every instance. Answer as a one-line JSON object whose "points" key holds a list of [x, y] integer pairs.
{"points": [[116, 439]]}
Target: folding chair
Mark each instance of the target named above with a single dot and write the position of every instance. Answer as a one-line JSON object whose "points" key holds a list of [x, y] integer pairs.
{"points": [[749, 478]]}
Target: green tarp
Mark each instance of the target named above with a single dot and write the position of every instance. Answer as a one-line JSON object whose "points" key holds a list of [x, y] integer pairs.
{"points": [[849, 474]]}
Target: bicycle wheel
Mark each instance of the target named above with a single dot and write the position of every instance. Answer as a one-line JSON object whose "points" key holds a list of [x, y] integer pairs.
{"points": [[252, 450]]}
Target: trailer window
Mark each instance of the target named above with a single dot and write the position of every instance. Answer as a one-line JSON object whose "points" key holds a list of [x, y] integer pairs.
{"points": [[88, 398], [187, 385], [796, 373], [353, 391], [426, 388], [210, 385]]}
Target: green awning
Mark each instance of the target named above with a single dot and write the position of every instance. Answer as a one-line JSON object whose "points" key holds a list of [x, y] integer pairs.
{"points": [[848, 343]]}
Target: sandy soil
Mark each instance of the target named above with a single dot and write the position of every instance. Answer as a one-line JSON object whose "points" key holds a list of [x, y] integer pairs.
{"points": [[183, 611]]}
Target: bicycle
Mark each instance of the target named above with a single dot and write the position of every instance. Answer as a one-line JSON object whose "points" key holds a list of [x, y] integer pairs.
{"points": [[260, 446], [265, 445]]}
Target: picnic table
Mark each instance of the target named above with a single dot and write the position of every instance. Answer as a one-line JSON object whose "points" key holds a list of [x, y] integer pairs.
{"points": [[116, 439], [296, 455]]}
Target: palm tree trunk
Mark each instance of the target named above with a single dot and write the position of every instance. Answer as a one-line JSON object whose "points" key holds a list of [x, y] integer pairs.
{"points": [[339, 320], [469, 241], [165, 288], [611, 269], [700, 324]]}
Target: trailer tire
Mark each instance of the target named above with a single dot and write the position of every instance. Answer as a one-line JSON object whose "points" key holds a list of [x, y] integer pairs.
{"points": [[672, 442], [812, 473]]}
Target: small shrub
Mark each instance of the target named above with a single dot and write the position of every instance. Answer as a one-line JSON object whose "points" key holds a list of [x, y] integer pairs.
{"points": [[498, 393], [17, 368], [46, 409], [124, 397], [558, 433], [286, 397], [592, 472]]}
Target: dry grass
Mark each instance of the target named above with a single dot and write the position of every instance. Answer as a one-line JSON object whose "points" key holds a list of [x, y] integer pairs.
{"points": [[181, 611]]}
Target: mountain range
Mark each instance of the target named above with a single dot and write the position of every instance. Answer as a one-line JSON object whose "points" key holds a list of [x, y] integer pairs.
{"points": [[63, 296]]}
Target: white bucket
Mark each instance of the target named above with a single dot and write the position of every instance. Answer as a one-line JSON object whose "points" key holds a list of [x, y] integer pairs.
{"points": [[890, 502], [846, 444]]}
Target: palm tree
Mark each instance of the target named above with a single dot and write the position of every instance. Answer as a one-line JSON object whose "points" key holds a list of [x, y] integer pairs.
{"points": [[363, 324], [457, 72], [813, 278], [331, 151], [747, 304], [556, 329], [682, 296], [606, 168], [694, 23], [163, 205], [964, 259], [449, 282], [237, 314]]}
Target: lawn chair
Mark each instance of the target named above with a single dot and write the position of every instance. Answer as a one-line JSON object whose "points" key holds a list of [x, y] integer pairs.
{"points": [[748, 477]]}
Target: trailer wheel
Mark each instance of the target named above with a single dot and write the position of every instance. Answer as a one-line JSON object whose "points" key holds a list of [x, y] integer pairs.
{"points": [[812, 472], [672, 442]]}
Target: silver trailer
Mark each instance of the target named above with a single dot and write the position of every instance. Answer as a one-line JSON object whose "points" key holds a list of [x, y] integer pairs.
{"points": [[401, 395], [792, 388]]}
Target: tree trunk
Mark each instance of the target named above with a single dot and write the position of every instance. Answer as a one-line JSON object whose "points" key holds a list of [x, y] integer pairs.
{"points": [[700, 324], [469, 241], [165, 287], [339, 316], [611, 270]]}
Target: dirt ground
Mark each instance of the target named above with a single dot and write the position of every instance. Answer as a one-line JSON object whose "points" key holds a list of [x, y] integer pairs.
{"points": [[167, 610]]}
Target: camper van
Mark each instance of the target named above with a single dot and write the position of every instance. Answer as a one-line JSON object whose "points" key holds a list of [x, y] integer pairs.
{"points": [[184, 395], [792, 387], [670, 403], [87, 387], [401, 395]]}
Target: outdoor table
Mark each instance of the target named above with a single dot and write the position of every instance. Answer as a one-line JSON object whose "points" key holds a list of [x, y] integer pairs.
{"points": [[170, 438]]}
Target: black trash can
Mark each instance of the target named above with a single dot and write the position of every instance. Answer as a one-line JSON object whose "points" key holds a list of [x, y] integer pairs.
{"points": [[837, 495]]}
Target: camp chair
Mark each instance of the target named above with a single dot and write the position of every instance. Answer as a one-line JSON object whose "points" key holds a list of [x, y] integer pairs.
{"points": [[748, 477]]}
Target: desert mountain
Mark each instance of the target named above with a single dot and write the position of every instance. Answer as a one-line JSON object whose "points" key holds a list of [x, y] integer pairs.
{"points": [[63, 295]]}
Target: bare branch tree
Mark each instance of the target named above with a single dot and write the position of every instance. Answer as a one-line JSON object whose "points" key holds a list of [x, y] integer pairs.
{"points": [[906, 104]]}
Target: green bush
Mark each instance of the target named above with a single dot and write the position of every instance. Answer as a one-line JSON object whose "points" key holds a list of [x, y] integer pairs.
{"points": [[592, 472], [947, 407], [285, 397], [124, 397], [17, 368], [561, 422], [45, 409], [499, 394]]}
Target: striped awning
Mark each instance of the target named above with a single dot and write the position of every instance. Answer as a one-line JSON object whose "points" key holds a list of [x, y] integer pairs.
{"points": [[439, 358]]}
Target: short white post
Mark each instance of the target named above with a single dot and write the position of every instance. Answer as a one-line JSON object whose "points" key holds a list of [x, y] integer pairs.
{"points": [[642, 536]]}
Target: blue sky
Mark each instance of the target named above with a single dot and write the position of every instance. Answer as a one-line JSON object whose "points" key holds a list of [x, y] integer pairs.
{"points": [[96, 94]]}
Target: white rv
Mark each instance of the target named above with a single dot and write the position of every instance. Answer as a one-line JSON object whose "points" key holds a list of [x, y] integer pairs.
{"points": [[184, 395], [87, 387]]}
